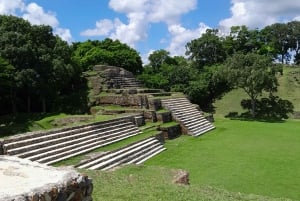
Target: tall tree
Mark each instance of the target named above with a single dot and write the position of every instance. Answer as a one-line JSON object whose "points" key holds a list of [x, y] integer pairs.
{"points": [[294, 29], [206, 50], [7, 85], [279, 37], [253, 73]]}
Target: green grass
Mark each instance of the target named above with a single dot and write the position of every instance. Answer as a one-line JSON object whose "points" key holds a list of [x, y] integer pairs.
{"points": [[169, 124], [135, 183], [240, 156]]}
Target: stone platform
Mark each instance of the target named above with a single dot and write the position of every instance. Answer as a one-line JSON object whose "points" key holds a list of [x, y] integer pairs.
{"points": [[21, 179]]}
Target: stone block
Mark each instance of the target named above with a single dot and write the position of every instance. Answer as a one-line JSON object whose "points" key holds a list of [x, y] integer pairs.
{"points": [[139, 121], [164, 117], [181, 177]]}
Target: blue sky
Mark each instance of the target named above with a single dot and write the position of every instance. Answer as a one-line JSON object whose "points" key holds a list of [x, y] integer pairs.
{"points": [[149, 25]]}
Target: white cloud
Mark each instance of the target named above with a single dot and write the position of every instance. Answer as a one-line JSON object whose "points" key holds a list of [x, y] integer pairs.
{"points": [[260, 13], [10, 7], [64, 34], [140, 14], [103, 28], [181, 36], [35, 14], [169, 11]]}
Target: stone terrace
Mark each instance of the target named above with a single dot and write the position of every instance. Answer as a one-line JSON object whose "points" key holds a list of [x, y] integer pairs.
{"points": [[56, 145]]}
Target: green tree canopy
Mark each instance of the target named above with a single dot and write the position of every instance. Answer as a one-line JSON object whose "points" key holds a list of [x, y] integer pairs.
{"points": [[253, 73], [109, 52], [206, 50]]}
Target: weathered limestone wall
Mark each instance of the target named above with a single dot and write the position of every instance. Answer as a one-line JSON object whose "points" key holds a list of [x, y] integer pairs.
{"points": [[171, 132], [124, 100], [23, 180], [164, 116]]}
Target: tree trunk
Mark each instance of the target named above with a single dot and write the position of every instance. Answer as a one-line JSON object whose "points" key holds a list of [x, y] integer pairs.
{"points": [[253, 107], [13, 100], [44, 105], [28, 104]]}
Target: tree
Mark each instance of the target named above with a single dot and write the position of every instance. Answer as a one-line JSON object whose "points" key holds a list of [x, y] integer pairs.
{"points": [[7, 85], [253, 73], [108, 52], [279, 37], [160, 57], [294, 29], [206, 50], [241, 39]]}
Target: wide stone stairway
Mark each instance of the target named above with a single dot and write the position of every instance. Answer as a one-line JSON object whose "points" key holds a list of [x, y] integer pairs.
{"points": [[188, 116], [56, 145], [135, 153]]}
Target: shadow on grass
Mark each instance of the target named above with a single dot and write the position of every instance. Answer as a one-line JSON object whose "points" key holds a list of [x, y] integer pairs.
{"points": [[19, 123], [246, 116], [272, 109]]}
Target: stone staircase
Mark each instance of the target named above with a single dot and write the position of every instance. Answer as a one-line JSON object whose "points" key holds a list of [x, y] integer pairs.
{"points": [[135, 153], [54, 146], [125, 82], [191, 119]]}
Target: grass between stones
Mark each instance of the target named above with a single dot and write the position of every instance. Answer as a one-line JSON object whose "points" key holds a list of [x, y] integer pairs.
{"points": [[240, 156]]}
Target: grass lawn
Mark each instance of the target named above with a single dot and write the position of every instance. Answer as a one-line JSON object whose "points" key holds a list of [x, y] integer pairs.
{"points": [[136, 183], [240, 156]]}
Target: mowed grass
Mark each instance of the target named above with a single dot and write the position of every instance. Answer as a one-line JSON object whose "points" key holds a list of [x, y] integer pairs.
{"points": [[148, 183], [240, 156]]}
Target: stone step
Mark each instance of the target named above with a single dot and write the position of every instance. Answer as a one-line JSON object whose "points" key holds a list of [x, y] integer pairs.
{"points": [[177, 102], [200, 122], [38, 153], [99, 140], [169, 100], [204, 127], [186, 112], [128, 157], [64, 139], [121, 156], [111, 154], [203, 130], [30, 135], [88, 149], [58, 133], [197, 125], [189, 115], [187, 122], [147, 155], [182, 107], [84, 148]]}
